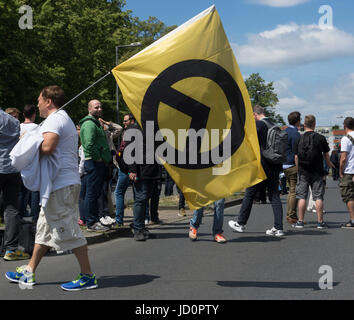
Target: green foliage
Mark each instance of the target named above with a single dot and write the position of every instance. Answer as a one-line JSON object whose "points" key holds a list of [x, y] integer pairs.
{"points": [[262, 93], [72, 44]]}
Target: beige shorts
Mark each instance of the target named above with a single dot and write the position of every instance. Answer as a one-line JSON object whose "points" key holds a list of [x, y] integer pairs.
{"points": [[57, 225]]}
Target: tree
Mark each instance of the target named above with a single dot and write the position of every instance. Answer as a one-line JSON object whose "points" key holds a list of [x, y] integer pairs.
{"points": [[262, 93], [72, 44]]}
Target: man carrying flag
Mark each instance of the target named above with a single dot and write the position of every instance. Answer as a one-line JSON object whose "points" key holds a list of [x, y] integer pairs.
{"points": [[189, 88]]}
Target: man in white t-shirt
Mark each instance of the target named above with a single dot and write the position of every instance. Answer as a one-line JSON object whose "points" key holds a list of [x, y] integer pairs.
{"points": [[346, 170], [57, 224]]}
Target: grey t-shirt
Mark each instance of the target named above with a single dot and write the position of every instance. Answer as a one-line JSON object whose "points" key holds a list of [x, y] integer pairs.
{"points": [[9, 136]]}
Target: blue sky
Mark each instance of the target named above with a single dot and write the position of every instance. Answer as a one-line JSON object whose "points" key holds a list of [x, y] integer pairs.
{"points": [[311, 63]]}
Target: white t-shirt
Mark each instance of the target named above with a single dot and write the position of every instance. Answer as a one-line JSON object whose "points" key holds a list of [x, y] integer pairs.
{"points": [[347, 146], [24, 127], [62, 125]]}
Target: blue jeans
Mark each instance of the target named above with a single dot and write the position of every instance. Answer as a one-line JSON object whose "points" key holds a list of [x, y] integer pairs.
{"points": [[142, 191], [181, 200], [31, 198], [152, 206], [10, 185], [102, 200], [82, 198], [218, 217], [272, 185], [94, 182], [119, 193]]}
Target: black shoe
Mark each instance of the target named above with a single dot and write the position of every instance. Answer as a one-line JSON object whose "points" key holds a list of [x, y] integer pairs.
{"points": [[139, 236], [348, 225], [146, 233], [158, 221]]}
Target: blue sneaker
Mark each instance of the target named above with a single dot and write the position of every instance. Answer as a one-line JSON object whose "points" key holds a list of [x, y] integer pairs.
{"points": [[21, 276], [83, 282], [299, 225]]}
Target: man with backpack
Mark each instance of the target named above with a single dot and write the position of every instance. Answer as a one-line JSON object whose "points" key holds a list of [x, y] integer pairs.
{"points": [[310, 150], [289, 166], [273, 143]]}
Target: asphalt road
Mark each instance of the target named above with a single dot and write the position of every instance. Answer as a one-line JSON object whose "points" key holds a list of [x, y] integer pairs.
{"points": [[251, 265]]}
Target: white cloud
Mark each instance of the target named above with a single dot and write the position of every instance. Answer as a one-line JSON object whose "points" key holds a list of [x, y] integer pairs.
{"points": [[279, 3], [294, 44], [327, 105]]}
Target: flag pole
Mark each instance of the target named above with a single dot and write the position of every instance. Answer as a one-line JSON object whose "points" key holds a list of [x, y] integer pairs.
{"points": [[82, 92]]}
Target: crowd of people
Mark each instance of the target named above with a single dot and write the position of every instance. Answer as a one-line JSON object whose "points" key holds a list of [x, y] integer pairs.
{"points": [[92, 152]]}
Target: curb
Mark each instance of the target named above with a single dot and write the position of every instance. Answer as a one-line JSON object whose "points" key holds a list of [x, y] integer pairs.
{"points": [[125, 232]]}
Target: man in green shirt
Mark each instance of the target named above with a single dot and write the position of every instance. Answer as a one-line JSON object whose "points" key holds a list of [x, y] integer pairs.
{"points": [[97, 157]]}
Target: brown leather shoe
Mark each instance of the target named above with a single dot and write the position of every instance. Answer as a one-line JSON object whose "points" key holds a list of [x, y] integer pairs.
{"points": [[291, 220]]}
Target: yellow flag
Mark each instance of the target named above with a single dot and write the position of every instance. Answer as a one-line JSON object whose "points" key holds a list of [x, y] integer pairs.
{"points": [[188, 84]]}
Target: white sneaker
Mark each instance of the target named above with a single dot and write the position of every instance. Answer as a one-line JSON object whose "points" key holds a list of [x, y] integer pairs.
{"points": [[236, 227], [104, 221], [110, 219], [275, 232]]}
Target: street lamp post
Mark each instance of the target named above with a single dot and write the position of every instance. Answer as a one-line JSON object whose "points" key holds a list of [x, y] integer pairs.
{"points": [[134, 44]]}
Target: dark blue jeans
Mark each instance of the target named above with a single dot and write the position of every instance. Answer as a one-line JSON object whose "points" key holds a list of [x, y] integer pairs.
{"points": [[121, 189], [10, 184], [142, 193], [82, 199], [102, 201], [272, 185], [152, 206], [181, 200], [94, 182], [169, 183], [31, 198]]}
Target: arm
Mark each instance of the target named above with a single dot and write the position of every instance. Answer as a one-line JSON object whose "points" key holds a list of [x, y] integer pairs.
{"points": [[49, 143], [114, 128], [297, 162], [328, 161], [342, 163]]}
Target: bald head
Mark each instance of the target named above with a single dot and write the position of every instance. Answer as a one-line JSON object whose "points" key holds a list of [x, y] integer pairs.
{"points": [[95, 108]]}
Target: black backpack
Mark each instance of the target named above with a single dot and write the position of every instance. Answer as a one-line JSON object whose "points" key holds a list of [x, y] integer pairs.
{"points": [[307, 151], [277, 142]]}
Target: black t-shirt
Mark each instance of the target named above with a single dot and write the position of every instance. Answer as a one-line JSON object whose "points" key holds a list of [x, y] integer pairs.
{"points": [[321, 147], [262, 131]]}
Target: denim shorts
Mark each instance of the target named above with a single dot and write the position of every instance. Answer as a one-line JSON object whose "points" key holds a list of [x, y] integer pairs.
{"points": [[346, 186], [315, 181]]}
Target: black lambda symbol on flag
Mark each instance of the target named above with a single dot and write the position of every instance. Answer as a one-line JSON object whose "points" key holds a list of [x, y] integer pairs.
{"points": [[161, 90]]}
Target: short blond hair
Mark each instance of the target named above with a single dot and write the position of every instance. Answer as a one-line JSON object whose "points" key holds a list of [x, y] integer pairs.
{"points": [[12, 110], [310, 121]]}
